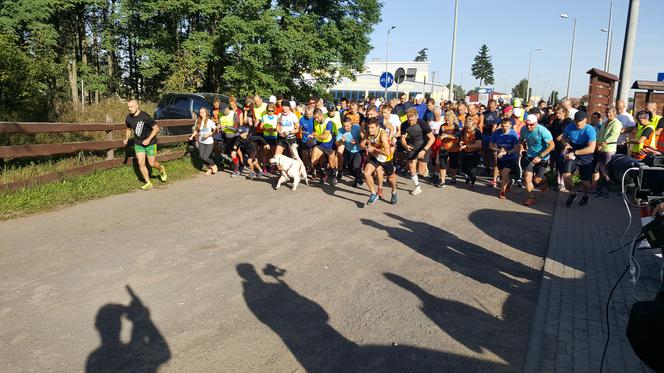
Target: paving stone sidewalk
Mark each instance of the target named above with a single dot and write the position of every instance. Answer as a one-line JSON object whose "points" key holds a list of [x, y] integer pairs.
{"points": [[569, 329]]}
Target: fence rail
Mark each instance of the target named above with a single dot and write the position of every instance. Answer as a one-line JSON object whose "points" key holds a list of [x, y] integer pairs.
{"points": [[39, 150]]}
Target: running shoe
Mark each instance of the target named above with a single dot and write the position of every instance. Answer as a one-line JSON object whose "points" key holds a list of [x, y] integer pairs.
{"points": [[264, 171], [380, 192], [147, 186], [252, 175], [584, 200], [501, 195], [570, 200], [467, 180], [529, 202], [323, 178], [453, 180], [492, 183], [438, 184], [333, 180], [340, 175], [235, 174], [260, 174], [215, 169], [359, 182], [372, 199], [162, 174], [519, 183], [416, 191], [394, 199]]}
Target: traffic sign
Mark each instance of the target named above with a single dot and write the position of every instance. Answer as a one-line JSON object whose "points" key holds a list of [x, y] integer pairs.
{"points": [[399, 75], [386, 80], [660, 77]]}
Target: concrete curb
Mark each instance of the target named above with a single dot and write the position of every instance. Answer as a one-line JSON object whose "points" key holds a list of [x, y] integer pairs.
{"points": [[537, 332]]}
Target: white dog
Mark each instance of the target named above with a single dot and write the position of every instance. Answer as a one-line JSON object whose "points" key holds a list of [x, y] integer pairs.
{"points": [[290, 168]]}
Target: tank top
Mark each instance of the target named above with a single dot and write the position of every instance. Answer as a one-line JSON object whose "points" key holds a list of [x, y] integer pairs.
{"points": [[375, 142]]}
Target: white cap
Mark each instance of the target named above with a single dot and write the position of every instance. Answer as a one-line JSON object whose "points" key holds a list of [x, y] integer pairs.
{"points": [[419, 96], [531, 118], [518, 112], [293, 104], [273, 99]]}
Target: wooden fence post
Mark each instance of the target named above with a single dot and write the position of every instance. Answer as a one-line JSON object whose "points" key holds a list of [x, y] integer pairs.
{"points": [[110, 153]]}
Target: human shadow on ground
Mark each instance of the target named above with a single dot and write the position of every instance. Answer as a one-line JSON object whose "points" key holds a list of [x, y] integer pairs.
{"points": [[145, 352], [303, 325], [509, 227], [461, 256], [470, 326]]}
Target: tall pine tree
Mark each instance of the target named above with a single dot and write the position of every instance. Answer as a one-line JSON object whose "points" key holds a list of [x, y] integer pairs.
{"points": [[482, 68]]}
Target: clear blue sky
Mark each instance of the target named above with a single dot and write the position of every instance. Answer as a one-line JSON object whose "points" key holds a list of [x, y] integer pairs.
{"points": [[514, 28]]}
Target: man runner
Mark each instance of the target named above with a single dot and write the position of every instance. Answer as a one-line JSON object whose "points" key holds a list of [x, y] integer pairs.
{"points": [[145, 131], [539, 145], [579, 140], [377, 145], [417, 139]]}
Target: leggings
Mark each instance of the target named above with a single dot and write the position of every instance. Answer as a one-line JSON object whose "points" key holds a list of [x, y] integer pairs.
{"points": [[604, 158], [469, 162], [354, 162], [205, 150]]}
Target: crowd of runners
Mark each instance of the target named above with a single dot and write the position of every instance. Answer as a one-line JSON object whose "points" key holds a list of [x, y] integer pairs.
{"points": [[371, 142]]}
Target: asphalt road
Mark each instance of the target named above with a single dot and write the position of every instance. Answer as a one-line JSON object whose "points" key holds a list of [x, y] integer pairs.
{"points": [[232, 276]]}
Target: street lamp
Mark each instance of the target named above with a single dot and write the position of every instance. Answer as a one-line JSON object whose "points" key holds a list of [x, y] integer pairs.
{"points": [[387, 53], [571, 57], [609, 38], [530, 62], [607, 58], [535, 89], [450, 93]]}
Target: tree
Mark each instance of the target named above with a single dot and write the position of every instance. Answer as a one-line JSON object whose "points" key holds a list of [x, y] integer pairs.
{"points": [[422, 55], [482, 68], [553, 98], [473, 91], [519, 90], [457, 92]]}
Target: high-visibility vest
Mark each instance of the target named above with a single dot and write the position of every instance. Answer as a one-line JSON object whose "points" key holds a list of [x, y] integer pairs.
{"points": [[660, 140], [319, 128], [636, 148], [336, 122], [228, 122], [269, 126]]}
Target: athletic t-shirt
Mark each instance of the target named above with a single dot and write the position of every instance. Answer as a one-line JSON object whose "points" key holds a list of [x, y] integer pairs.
{"points": [[142, 125], [269, 126], [491, 118], [288, 122], [506, 141], [448, 143], [320, 128], [435, 126], [204, 130], [307, 128], [470, 137], [346, 137], [355, 118], [579, 139], [416, 134], [536, 140]]}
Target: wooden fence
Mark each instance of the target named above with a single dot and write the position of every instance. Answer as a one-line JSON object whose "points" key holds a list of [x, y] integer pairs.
{"points": [[38, 150]]}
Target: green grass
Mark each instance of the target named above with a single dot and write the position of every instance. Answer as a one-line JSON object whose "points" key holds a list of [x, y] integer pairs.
{"points": [[39, 198]]}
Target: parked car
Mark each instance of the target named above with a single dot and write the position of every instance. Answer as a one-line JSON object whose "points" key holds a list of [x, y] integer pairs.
{"points": [[184, 106]]}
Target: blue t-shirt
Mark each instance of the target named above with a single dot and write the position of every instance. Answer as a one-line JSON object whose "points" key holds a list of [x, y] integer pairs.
{"points": [[506, 141], [346, 137], [307, 126], [421, 109], [579, 139], [428, 116], [536, 140]]}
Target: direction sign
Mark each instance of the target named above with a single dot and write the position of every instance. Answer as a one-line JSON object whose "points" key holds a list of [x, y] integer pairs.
{"points": [[660, 77], [386, 80], [399, 75]]}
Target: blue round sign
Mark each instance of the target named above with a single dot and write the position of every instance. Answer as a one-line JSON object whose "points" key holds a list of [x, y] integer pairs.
{"points": [[386, 80]]}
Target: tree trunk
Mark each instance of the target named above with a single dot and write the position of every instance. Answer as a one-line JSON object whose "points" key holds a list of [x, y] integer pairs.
{"points": [[73, 79]]}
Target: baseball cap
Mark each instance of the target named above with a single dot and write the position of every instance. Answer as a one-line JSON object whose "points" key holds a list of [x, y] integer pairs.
{"points": [[419, 96], [243, 130], [531, 119], [507, 109], [293, 104], [580, 115], [331, 107], [534, 110], [223, 106], [273, 99]]}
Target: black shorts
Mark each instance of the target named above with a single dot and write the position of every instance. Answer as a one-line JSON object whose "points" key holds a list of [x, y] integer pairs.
{"points": [[585, 170], [536, 169], [412, 155], [506, 163], [271, 142], [388, 166], [448, 159]]}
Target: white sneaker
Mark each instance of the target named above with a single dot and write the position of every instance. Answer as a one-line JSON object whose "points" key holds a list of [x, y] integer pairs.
{"points": [[416, 191]]}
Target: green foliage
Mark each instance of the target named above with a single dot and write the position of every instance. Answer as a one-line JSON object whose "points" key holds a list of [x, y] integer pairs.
{"points": [[482, 68], [519, 90], [142, 48], [422, 55], [457, 92]]}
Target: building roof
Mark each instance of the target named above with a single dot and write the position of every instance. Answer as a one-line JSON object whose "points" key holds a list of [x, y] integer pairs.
{"points": [[649, 85], [603, 74]]}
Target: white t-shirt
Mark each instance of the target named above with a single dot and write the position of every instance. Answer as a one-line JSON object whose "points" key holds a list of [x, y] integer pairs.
{"points": [[435, 126], [288, 122], [572, 112], [395, 122], [628, 123], [205, 130]]}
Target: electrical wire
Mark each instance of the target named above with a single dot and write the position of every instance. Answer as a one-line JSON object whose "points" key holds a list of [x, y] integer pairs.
{"points": [[608, 302]]}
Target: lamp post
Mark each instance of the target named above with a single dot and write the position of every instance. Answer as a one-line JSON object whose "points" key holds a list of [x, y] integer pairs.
{"points": [[387, 53], [609, 38], [571, 57], [530, 62], [625, 81], [450, 94], [535, 88], [607, 58]]}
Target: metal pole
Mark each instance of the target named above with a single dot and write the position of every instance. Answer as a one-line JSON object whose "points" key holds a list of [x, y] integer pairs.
{"points": [[608, 39], [451, 90], [625, 82], [571, 58], [82, 97], [530, 62], [608, 62], [387, 53]]}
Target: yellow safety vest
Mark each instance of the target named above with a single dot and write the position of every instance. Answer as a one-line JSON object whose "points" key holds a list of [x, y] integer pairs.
{"points": [[336, 122], [636, 148], [228, 122], [319, 128]]}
